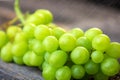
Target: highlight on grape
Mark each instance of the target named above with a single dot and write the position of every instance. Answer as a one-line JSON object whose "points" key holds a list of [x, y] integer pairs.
{"points": [[60, 54]]}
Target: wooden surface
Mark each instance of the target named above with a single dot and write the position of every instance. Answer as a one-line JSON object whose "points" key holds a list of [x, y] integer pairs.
{"points": [[67, 14]]}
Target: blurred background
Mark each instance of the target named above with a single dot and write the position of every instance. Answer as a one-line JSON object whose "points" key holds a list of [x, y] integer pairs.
{"points": [[104, 14]]}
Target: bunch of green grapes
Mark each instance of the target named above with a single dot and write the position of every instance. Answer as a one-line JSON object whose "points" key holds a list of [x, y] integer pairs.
{"points": [[60, 54]]}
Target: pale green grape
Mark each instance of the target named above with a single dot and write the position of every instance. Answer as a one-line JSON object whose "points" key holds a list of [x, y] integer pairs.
{"points": [[44, 65], [48, 17], [21, 36], [58, 58], [3, 38], [38, 48], [77, 32], [92, 32], [85, 42], [48, 73], [6, 54], [50, 43], [12, 31], [97, 56], [114, 50], [80, 55], [29, 30], [67, 42], [110, 66], [78, 71], [41, 32], [19, 49], [35, 60], [46, 56], [101, 42], [63, 73], [18, 60], [91, 68], [58, 32], [35, 19]]}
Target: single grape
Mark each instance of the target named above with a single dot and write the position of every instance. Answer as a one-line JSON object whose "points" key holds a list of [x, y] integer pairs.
{"points": [[21, 36], [92, 32], [6, 54], [58, 58], [44, 65], [19, 49], [48, 73], [46, 56], [58, 32], [91, 68], [12, 31], [41, 32], [97, 56], [3, 38], [38, 48], [35, 19], [31, 43], [18, 60], [80, 55], [77, 32], [85, 42], [29, 30], [35, 60], [63, 73], [114, 50], [101, 42], [78, 71], [67, 42], [52, 25], [110, 66], [47, 15], [50, 43]]}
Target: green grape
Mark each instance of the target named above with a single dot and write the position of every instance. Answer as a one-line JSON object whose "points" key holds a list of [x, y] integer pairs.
{"points": [[110, 66], [35, 19], [101, 42], [21, 36], [85, 42], [46, 56], [97, 56], [58, 32], [92, 32], [52, 25], [44, 65], [26, 58], [48, 73], [91, 67], [63, 73], [47, 15], [67, 42], [35, 60], [41, 32], [19, 49], [31, 43], [100, 76], [18, 60], [29, 30], [6, 54], [50, 43], [77, 32], [58, 58], [78, 71], [80, 55], [38, 48], [12, 31], [3, 38], [114, 50]]}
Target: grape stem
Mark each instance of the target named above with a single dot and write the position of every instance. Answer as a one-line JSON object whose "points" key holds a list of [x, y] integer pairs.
{"points": [[18, 11]]}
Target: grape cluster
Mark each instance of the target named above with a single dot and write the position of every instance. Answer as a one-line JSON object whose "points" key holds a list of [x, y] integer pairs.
{"points": [[58, 53]]}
